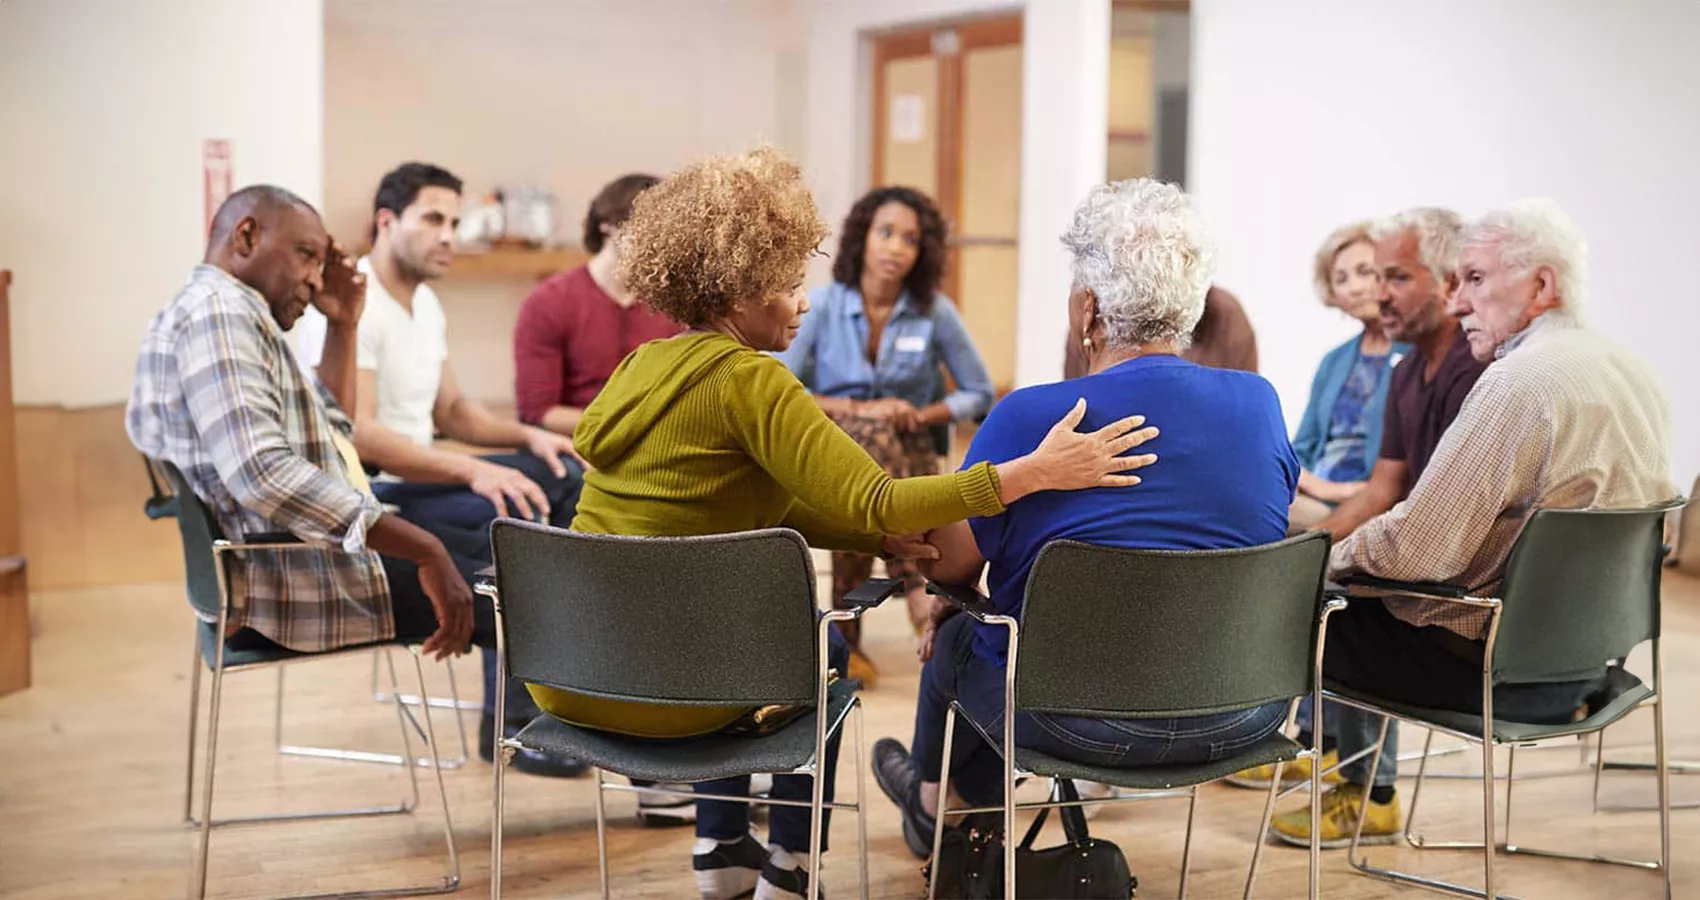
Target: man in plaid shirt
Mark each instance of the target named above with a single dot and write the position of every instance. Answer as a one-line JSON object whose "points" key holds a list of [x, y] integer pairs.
{"points": [[219, 395]]}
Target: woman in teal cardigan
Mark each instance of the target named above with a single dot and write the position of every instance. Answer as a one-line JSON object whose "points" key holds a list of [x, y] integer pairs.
{"points": [[1339, 437]]}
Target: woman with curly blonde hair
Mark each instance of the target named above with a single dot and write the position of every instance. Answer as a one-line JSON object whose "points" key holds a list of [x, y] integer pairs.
{"points": [[706, 433]]}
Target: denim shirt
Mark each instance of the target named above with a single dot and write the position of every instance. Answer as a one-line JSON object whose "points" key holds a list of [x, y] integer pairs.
{"points": [[830, 353]]}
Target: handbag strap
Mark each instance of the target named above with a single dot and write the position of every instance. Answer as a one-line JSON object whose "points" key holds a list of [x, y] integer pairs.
{"points": [[1073, 818]]}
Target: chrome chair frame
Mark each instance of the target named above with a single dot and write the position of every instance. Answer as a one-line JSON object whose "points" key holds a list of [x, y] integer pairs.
{"points": [[506, 747], [1004, 745], [1487, 741], [452, 701], [162, 503], [450, 881]]}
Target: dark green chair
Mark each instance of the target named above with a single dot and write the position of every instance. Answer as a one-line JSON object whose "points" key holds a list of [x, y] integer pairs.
{"points": [[205, 555], [1581, 590], [717, 620], [1164, 634]]}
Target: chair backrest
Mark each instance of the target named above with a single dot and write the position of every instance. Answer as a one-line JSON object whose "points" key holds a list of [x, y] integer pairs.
{"points": [[1687, 538], [1581, 587], [714, 620], [1154, 633], [198, 529]]}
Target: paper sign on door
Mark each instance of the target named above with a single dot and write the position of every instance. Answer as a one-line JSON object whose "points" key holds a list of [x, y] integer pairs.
{"points": [[907, 118]]}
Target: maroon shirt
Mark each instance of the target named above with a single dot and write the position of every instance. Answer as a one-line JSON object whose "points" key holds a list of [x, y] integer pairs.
{"points": [[570, 337], [1419, 413]]}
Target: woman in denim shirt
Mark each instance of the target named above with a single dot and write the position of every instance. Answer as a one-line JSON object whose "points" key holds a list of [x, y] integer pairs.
{"points": [[1339, 437], [871, 349]]}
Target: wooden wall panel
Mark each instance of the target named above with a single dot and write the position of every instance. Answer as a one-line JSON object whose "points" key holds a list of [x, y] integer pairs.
{"points": [[14, 587], [82, 491]]}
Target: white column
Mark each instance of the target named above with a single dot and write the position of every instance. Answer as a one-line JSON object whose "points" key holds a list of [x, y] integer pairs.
{"points": [[1064, 128]]}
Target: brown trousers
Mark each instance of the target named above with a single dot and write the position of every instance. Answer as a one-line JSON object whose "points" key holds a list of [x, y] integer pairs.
{"points": [[903, 456]]}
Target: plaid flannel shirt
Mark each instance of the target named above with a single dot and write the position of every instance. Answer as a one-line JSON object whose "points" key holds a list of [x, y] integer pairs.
{"points": [[218, 394], [1564, 419]]}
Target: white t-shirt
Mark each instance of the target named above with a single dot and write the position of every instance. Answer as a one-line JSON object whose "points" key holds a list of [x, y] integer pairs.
{"points": [[407, 350]]}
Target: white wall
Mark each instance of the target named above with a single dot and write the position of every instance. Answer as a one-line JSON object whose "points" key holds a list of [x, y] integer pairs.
{"points": [[567, 95], [104, 105], [1065, 80], [1310, 113]]}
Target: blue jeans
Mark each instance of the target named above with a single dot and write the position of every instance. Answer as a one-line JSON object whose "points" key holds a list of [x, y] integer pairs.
{"points": [[787, 826], [1374, 651], [453, 514], [957, 673]]}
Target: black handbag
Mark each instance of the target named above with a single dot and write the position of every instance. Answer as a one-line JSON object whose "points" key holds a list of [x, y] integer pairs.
{"points": [[1085, 868]]}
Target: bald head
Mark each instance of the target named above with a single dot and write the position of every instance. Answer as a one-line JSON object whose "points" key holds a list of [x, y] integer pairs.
{"points": [[273, 241]]}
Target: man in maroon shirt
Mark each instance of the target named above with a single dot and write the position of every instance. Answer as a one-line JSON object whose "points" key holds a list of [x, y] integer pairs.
{"points": [[577, 326], [1416, 253]]}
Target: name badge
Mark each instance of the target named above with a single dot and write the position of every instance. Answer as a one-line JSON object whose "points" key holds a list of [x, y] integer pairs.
{"points": [[911, 343]]}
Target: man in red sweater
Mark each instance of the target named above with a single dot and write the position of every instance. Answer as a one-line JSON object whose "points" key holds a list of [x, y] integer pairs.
{"points": [[577, 326]]}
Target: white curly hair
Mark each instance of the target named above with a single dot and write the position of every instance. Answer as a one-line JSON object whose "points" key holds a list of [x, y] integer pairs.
{"points": [[1141, 248], [1437, 236], [1536, 232]]}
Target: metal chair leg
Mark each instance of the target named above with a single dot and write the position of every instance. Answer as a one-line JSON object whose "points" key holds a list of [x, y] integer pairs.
{"points": [[199, 884], [943, 804], [366, 756], [601, 835], [1661, 755], [501, 753], [450, 880], [861, 802], [195, 665], [1186, 844]]}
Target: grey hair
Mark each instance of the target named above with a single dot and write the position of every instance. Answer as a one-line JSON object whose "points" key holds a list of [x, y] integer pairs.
{"points": [[1536, 232], [1437, 231], [1142, 250]]}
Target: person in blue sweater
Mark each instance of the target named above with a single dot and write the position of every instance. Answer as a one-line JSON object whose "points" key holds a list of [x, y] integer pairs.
{"points": [[1339, 437], [1224, 476]]}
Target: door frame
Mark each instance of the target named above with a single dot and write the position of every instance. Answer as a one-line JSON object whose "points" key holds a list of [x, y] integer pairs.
{"points": [[945, 41]]}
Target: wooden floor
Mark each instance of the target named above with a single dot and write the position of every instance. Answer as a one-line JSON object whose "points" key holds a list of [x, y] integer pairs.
{"points": [[91, 796]]}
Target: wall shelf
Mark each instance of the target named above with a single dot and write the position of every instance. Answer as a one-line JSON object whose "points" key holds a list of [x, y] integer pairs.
{"points": [[517, 262]]}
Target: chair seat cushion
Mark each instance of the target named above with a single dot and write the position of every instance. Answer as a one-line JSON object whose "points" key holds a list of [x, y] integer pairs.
{"points": [[1619, 697], [1277, 747], [259, 656], [687, 760]]}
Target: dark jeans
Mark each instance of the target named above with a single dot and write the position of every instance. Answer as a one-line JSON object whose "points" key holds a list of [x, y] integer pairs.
{"points": [[957, 673], [1373, 651], [456, 506], [415, 620], [787, 826], [461, 520]]}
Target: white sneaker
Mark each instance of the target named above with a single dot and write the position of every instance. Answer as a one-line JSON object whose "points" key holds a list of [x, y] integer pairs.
{"points": [[724, 871], [663, 811], [783, 877]]}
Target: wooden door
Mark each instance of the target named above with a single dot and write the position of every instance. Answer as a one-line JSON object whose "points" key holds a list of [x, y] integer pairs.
{"points": [[947, 121]]}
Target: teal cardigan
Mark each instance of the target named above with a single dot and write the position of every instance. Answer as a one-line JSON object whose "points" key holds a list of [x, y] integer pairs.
{"points": [[1325, 389]]}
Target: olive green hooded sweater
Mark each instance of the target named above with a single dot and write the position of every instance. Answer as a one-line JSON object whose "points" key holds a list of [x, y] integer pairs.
{"points": [[700, 434]]}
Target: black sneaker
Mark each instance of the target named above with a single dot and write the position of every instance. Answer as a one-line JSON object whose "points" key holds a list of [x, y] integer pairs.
{"points": [[724, 871], [783, 884], [900, 779], [531, 762]]}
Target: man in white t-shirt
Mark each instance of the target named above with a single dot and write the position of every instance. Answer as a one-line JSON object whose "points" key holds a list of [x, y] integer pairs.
{"points": [[406, 394]]}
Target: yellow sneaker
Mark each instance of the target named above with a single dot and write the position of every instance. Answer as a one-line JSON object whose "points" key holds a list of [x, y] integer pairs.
{"points": [[1292, 773], [1339, 818]]}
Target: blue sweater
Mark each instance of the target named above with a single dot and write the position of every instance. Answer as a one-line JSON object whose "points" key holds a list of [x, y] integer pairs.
{"points": [[1224, 476], [1325, 389]]}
